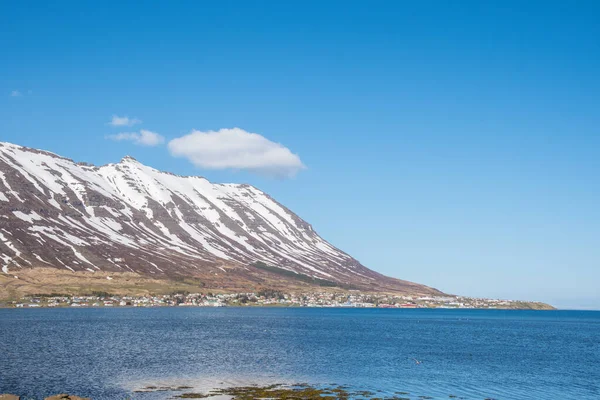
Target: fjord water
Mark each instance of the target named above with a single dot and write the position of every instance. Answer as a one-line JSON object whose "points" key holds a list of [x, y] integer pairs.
{"points": [[474, 354]]}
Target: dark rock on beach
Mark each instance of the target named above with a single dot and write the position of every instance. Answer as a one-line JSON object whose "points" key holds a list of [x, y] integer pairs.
{"points": [[66, 397]]}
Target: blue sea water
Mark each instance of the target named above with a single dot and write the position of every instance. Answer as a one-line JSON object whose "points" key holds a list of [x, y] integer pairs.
{"points": [[474, 354]]}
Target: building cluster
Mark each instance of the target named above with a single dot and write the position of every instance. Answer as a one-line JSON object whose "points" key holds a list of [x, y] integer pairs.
{"points": [[262, 298]]}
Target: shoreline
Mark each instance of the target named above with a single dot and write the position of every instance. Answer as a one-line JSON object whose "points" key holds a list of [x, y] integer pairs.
{"points": [[263, 297], [60, 297], [264, 391], [2, 307]]}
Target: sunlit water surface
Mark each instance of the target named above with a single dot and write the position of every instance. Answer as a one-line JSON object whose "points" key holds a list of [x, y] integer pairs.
{"points": [[474, 354]]}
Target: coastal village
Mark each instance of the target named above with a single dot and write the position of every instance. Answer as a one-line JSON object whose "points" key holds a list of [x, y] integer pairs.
{"points": [[268, 298]]}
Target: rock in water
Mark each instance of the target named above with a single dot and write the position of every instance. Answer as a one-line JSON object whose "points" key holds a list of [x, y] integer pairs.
{"points": [[9, 397]]}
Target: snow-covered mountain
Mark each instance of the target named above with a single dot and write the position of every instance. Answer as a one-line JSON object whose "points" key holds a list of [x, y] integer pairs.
{"points": [[57, 213]]}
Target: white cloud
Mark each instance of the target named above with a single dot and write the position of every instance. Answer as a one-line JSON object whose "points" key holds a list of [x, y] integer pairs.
{"points": [[123, 121], [16, 93], [141, 138], [236, 149]]}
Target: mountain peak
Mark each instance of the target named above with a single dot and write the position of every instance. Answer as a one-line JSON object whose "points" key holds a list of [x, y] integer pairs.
{"points": [[129, 158]]}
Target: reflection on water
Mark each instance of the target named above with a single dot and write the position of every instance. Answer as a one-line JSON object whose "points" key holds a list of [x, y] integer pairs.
{"points": [[112, 353]]}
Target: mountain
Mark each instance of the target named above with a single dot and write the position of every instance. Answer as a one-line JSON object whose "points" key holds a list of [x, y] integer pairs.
{"points": [[128, 217]]}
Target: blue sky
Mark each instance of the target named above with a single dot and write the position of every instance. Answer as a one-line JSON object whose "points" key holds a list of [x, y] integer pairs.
{"points": [[455, 144]]}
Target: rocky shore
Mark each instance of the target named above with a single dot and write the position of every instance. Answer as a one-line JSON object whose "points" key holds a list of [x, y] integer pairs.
{"points": [[298, 391], [62, 396]]}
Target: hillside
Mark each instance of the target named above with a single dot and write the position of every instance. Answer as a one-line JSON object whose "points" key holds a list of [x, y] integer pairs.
{"points": [[131, 218]]}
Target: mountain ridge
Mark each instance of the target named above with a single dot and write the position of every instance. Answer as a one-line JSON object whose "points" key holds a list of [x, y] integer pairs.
{"points": [[129, 217]]}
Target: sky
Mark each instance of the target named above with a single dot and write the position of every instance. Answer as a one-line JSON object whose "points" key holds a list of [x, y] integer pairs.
{"points": [[455, 144]]}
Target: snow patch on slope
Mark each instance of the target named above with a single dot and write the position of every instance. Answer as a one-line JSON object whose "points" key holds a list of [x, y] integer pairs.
{"points": [[31, 218]]}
